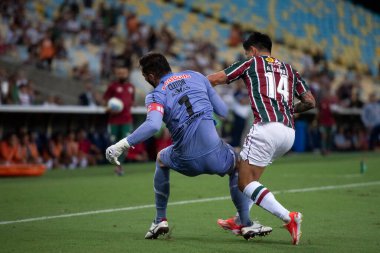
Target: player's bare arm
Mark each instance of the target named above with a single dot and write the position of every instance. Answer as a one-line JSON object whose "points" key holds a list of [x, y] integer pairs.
{"points": [[307, 102], [217, 78]]}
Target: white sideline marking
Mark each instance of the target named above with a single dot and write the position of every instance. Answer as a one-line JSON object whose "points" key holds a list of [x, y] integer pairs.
{"points": [[185, 202]]}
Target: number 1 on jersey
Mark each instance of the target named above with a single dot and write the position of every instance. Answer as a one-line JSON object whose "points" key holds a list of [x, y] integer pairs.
{"points": [[282, 88], [189, 107]]}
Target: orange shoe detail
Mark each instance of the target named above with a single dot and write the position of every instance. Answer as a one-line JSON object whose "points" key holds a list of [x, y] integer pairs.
{"points": [[294, 226], [230, 224]]}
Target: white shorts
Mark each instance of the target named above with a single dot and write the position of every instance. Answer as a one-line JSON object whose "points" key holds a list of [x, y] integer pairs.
{"points": [[266, 142]]}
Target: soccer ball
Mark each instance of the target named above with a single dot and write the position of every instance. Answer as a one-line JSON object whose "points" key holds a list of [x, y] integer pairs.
{"points": [[115, 105]]}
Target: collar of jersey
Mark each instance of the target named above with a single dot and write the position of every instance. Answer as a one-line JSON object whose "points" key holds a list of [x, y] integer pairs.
{"points": [[162, 80]]}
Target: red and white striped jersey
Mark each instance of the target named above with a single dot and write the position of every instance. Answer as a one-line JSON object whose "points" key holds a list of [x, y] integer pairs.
{"points": [[272, 86]]}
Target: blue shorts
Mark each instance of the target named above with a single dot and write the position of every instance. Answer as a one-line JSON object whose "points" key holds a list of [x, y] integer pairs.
{"points": [[220, 161]]}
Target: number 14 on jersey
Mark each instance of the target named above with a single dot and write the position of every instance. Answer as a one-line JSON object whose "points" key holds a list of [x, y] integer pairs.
{"points": [[282, 87]]}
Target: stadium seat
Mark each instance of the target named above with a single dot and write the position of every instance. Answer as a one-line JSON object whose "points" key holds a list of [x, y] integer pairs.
{"points": [[334, 26]]}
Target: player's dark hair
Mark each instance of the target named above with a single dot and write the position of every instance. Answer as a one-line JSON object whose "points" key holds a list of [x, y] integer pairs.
{"points": [[155, 63], [259, 40]]}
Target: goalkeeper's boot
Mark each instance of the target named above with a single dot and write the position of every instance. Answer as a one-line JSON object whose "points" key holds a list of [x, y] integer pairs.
{"points": [[230, 224], [256, 229], [294, 226], [155, 230]]}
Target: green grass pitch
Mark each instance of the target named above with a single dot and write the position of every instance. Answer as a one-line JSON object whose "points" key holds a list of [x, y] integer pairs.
{"points": [[335, 220]]}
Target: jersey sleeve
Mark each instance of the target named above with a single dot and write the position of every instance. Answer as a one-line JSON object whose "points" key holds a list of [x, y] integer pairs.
{"points": [[147, 129], [155, 101], [220, 108], [301, 86], [237, 69]]}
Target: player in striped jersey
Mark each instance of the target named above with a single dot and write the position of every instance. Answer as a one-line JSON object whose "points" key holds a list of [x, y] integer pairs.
{"points": [[272, 86], [185, 101]]}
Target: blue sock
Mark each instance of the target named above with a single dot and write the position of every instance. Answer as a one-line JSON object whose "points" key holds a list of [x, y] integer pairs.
{"points": [[241, 202], [162, 191]]}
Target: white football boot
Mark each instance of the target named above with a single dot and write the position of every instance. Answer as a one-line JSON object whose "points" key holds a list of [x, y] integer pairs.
{"points": [[255, 230], [157, 229]]}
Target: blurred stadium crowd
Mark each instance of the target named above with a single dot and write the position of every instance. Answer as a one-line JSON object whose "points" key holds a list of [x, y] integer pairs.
{"points": [[334, 49], [71, 150]]}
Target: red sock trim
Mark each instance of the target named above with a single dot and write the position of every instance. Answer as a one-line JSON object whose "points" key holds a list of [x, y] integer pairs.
{"points": [[265, 192]]}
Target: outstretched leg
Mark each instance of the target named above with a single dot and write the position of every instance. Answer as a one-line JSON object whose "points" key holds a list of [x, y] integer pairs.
{"points": [[162, 191], [243, 206], [248, 183], [253, 189], [241, 202]]}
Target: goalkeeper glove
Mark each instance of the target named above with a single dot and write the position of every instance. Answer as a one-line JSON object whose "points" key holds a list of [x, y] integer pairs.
{"points": [[113, 152]]}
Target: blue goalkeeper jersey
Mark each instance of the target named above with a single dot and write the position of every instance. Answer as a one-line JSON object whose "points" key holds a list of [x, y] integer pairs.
{"points": [[185, 97]]}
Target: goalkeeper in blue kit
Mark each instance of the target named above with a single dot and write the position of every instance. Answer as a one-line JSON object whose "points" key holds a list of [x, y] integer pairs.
{"points": [[185, 101]]}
